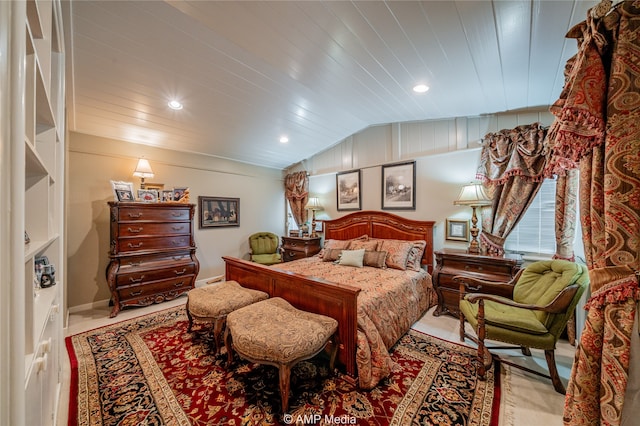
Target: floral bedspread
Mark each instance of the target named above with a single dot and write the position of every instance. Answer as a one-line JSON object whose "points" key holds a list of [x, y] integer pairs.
{"points": [[389, 303]]}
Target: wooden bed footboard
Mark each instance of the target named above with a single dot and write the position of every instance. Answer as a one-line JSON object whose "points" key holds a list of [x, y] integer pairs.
{"points": [[306, 293]]}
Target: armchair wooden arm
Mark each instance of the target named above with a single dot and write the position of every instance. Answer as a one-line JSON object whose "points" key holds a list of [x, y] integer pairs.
{"points": [[558, 305], [476, 285]]}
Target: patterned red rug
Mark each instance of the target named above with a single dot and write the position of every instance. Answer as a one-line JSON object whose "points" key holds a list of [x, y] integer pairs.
{"points": [[150, 370]]}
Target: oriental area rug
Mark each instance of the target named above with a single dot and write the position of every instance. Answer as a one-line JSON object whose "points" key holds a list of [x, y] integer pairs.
{"points": [[151, 371]]}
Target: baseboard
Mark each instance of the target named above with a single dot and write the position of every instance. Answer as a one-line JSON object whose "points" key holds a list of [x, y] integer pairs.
{"points": [[88, 306]]}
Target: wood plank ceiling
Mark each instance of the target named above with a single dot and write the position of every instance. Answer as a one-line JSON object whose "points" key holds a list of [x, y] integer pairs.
{"points": [[249, 72]]}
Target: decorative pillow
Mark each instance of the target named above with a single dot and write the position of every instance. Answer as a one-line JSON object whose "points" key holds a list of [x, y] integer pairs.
{"points": [[331, 255], [351, 258], [375, 259], [334, 244], [415, 255], [397, 253], [361, 244]]}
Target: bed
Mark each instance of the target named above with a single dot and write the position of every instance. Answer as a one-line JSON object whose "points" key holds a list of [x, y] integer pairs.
{"points": [[374, 306]]}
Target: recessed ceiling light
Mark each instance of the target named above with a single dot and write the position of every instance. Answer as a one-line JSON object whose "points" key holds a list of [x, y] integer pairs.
{"points": [[420, 88], [284, 139], [175, 105]]}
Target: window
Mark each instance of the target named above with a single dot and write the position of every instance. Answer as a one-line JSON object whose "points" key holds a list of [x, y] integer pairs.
{"points": [[535, 233]]}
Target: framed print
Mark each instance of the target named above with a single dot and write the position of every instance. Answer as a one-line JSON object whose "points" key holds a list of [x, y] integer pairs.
{"points": [[215, 212], [122, 191], [457, 230], [157, 186], [148, 195], [178, 193], [399, 186], [348, 190], [166, 195]]}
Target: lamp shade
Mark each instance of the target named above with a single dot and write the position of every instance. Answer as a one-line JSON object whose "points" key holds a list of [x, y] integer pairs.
{"points": [[313, 204], [472, 195], [143, 169]]}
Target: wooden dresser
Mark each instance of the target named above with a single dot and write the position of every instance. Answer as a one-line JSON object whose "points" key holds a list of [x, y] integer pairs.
{"points": [[153, 254], [294, 248], [450, 263]]}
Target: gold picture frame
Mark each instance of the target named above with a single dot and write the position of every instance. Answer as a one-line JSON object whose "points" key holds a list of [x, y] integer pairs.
{"points": [[457, 230]]}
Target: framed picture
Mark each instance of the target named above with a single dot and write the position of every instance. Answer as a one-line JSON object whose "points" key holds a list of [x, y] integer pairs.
{"points": [[457, 230], [178, 193], [157, 186], [122, 191], [166, 195], [218, 211], [148, 195], [399, 186], [348, 190]]}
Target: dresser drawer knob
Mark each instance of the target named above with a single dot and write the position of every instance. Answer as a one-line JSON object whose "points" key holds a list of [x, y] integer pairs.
{"points": [[178, 228], [135, 215], [181, 272], [135, 263], [136, 293], [466, 267], [294, 244], [132, 245], [134, 231], [136, 280], [176, 214], [180, 284], [178, 257]]}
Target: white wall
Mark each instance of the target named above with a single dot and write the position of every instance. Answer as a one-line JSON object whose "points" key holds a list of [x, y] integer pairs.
{"points": [[93, 162]]}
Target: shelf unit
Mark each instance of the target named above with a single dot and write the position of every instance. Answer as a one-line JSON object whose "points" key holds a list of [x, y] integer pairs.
{"points": [[41, 210]]}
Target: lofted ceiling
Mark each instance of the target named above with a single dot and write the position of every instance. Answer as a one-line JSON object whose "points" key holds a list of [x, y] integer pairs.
{"points": [[248, 72]]}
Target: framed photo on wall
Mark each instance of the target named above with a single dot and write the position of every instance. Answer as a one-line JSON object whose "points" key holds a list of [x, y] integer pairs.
{"points": [[457, 230], [399, 186], [216, 212], [348, 190]]}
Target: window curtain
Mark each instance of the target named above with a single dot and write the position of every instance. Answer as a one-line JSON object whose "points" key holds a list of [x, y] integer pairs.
{"points": [[566, 203], [296, 187], [512, 165], [597, 125]]}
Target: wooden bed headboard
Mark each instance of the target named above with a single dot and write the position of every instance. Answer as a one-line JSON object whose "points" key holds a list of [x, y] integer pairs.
{"points": [[377, 224]]}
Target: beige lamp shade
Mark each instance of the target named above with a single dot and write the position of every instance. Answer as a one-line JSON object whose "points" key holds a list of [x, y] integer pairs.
{"points": [[472, 195], [143, 169], [313, 204]]}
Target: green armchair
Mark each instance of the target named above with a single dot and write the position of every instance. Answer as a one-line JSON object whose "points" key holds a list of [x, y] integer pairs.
{"points": [[544, 297], [265, 248]]}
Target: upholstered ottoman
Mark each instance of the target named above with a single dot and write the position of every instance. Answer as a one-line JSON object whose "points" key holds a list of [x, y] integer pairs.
{"points": [[274, 332], [212, 303]]}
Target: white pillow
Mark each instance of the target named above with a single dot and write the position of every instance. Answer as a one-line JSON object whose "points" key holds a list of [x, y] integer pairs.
{"points": [[352, 258]]}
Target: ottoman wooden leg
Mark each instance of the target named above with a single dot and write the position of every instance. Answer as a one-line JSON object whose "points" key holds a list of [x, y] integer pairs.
{"points": [[218, 325], [229, 346], [285, 374]]}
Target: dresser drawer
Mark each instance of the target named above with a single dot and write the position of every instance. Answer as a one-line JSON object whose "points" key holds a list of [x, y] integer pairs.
{"points": [[472, 268], [134, 244], [154, 260], [153, 213], [141, 276], [142, 229], [289, 255], [180, 285]]}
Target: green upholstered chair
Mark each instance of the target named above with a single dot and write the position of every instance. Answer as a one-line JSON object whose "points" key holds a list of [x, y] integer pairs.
{"points": [[545, 295], [264, 248]]}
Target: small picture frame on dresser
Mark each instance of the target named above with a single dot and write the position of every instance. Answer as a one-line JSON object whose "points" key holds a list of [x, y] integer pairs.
{"points": [[166, 195], [148, 195], [457, 230], [122, 191]]}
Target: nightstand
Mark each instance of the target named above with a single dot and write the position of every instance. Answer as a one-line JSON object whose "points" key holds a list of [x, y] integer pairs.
{"points": [[294, 248], [450, 262]]}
